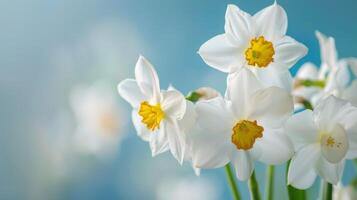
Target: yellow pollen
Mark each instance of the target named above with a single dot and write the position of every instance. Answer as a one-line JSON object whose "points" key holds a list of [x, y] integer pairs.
{"points": [[245, 133], [330, 141], [151, 115], [260, 53]]}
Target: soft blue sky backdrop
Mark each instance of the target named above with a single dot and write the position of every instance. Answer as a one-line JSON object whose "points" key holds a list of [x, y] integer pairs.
{"points": [[48, 47]]}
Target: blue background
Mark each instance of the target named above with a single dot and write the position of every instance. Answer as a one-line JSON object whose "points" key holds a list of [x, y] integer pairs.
{"points": [[47, 47]]}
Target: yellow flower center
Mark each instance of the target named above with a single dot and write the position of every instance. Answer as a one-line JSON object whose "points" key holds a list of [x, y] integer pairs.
{"points": [[151, 115], [245, 132], [260, 53]]}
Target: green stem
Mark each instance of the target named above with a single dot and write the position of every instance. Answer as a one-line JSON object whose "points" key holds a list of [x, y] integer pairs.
{"points": [[232, 182], [254, 188], [294, 194], [326, 191], [269, 185]]}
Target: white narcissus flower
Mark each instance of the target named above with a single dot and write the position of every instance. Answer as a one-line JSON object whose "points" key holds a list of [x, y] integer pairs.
{"points": [[333, 76], [256, 42], [244, 127], [156, 113], [323, 139], [98, 118]]}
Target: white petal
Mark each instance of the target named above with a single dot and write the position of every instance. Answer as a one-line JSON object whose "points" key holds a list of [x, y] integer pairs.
{"points": [[330, 111], [140, 128], [173, 104], [334, 146], [159, 141], [214, 115], [288, 52], [307, 71], [128, 89], [301, 129], [271, 106], [220, 54], [330, 172], [352, 62], [272, 22], [272, 76], [243, 164], [147, 79], [239, 25], [240, 87], [352, 139], [301, 171], [176, 140], [207, 93], [343, 74], [327, 50], [275, 146]]}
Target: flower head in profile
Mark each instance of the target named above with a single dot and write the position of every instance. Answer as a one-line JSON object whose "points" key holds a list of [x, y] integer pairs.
{"points": [[243, 127], [156, 113], [258, 43], [98, 118], [332, 78], [323, 139]]}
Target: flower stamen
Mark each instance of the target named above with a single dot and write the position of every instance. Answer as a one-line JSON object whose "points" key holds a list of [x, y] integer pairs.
{"points": [[245, 133], [151, 115], [260, 53]]}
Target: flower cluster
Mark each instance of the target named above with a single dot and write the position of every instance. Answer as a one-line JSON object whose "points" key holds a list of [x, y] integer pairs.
{"points": [[254, 120]]}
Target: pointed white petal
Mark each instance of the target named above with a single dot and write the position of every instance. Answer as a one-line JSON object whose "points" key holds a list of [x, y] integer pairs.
{"points": [[173, 104], [352, 139], [307, 71], [159, 141], [240, 87], [271, 106], [301, 171], [243, 164], [328, 50], [334, 145], [128, 89], [147, 79], [272, 76], [275, 146], [239, 25], [301, 129], [330, 172], [272, 22], [287, 52], [176, 140], [220, 54]]}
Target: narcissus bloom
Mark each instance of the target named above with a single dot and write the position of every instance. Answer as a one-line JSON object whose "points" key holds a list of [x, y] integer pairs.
{"points": [[243, 127], [156, 113], [256, 42], [323, 139], [333, 76]]}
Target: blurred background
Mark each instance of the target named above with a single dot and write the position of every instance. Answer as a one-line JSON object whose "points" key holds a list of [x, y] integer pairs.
{"points": [[64, 131]]}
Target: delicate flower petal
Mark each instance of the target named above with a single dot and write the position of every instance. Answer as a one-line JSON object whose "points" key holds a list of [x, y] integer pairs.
{"points": [[239, 25], [271, 76], [307, 71], [140, 128], [352, 63], [176, 140], [328, 112], [173, 104], [272, 22], [214, 115], [287, 52], [301, 171], [328, 50], [352, 139], [350, 93], [330, 172], [147, 79], [270, 106], [342, 75], [220, 54], [159, 141], [334, 145], [301, 129], [128, 89], [240, 87], [275, 146], [207, 93], [243, 164]]}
